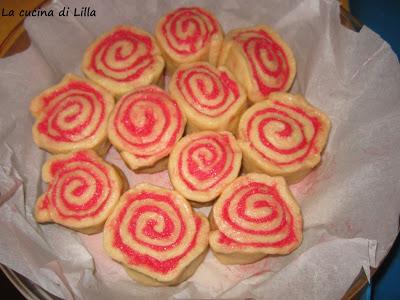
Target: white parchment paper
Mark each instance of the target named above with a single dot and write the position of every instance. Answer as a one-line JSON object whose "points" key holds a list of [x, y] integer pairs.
{"points": [[350, 203]]}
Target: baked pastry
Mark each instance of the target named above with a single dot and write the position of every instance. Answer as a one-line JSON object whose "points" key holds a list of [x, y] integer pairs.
{"points": [[144, 127], [189, 34], [283, 135], [156, 236], [83, 191], [255, 216], [260, 60], [72, 115], [210, 98], [202, 164], [123, 59]]}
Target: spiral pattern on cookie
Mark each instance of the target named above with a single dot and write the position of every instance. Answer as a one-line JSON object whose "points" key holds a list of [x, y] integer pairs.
{"points": [[254, 213], [73, 113], [203, 163], [153, 231], [80, 189], [188, 30], [123, 55], [267, 59], [146, 123], [207, 90], [284, 134]]}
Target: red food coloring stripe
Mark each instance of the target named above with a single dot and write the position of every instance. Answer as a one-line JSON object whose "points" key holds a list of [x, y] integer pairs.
{"points": [[149, 229], [216, 99], [231, 84], [45, 203], [195, 19], [75, 95], [135, 41], [136, 258], [64, 173], [123, 121], [272, 198], [264, 45], [83, 187], [217, 167], [284, 133]]}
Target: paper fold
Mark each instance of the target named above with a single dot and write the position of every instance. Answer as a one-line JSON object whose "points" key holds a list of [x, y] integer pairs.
{"points": [[349, 203]]}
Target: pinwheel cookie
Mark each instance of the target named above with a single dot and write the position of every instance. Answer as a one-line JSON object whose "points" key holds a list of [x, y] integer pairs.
{"points": [[283, 135], [83, 190], [123, 59], [144, 127], [202, 164], [255, 216], [211, 98], [72, 115], [260, 60], [189, 34], [156, 236]]}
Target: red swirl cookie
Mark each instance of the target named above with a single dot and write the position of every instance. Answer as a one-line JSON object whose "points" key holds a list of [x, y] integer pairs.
{"points": [[123, 59], [83, 190], [202, 164], [144, 127], [72, 115], [156, 236], [284, 135], [260, 60], [189, 34], [255, 216], [211, 98]]}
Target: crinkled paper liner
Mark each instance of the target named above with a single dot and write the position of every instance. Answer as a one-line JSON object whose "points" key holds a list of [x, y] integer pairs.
{"points": [[350, 202]]}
